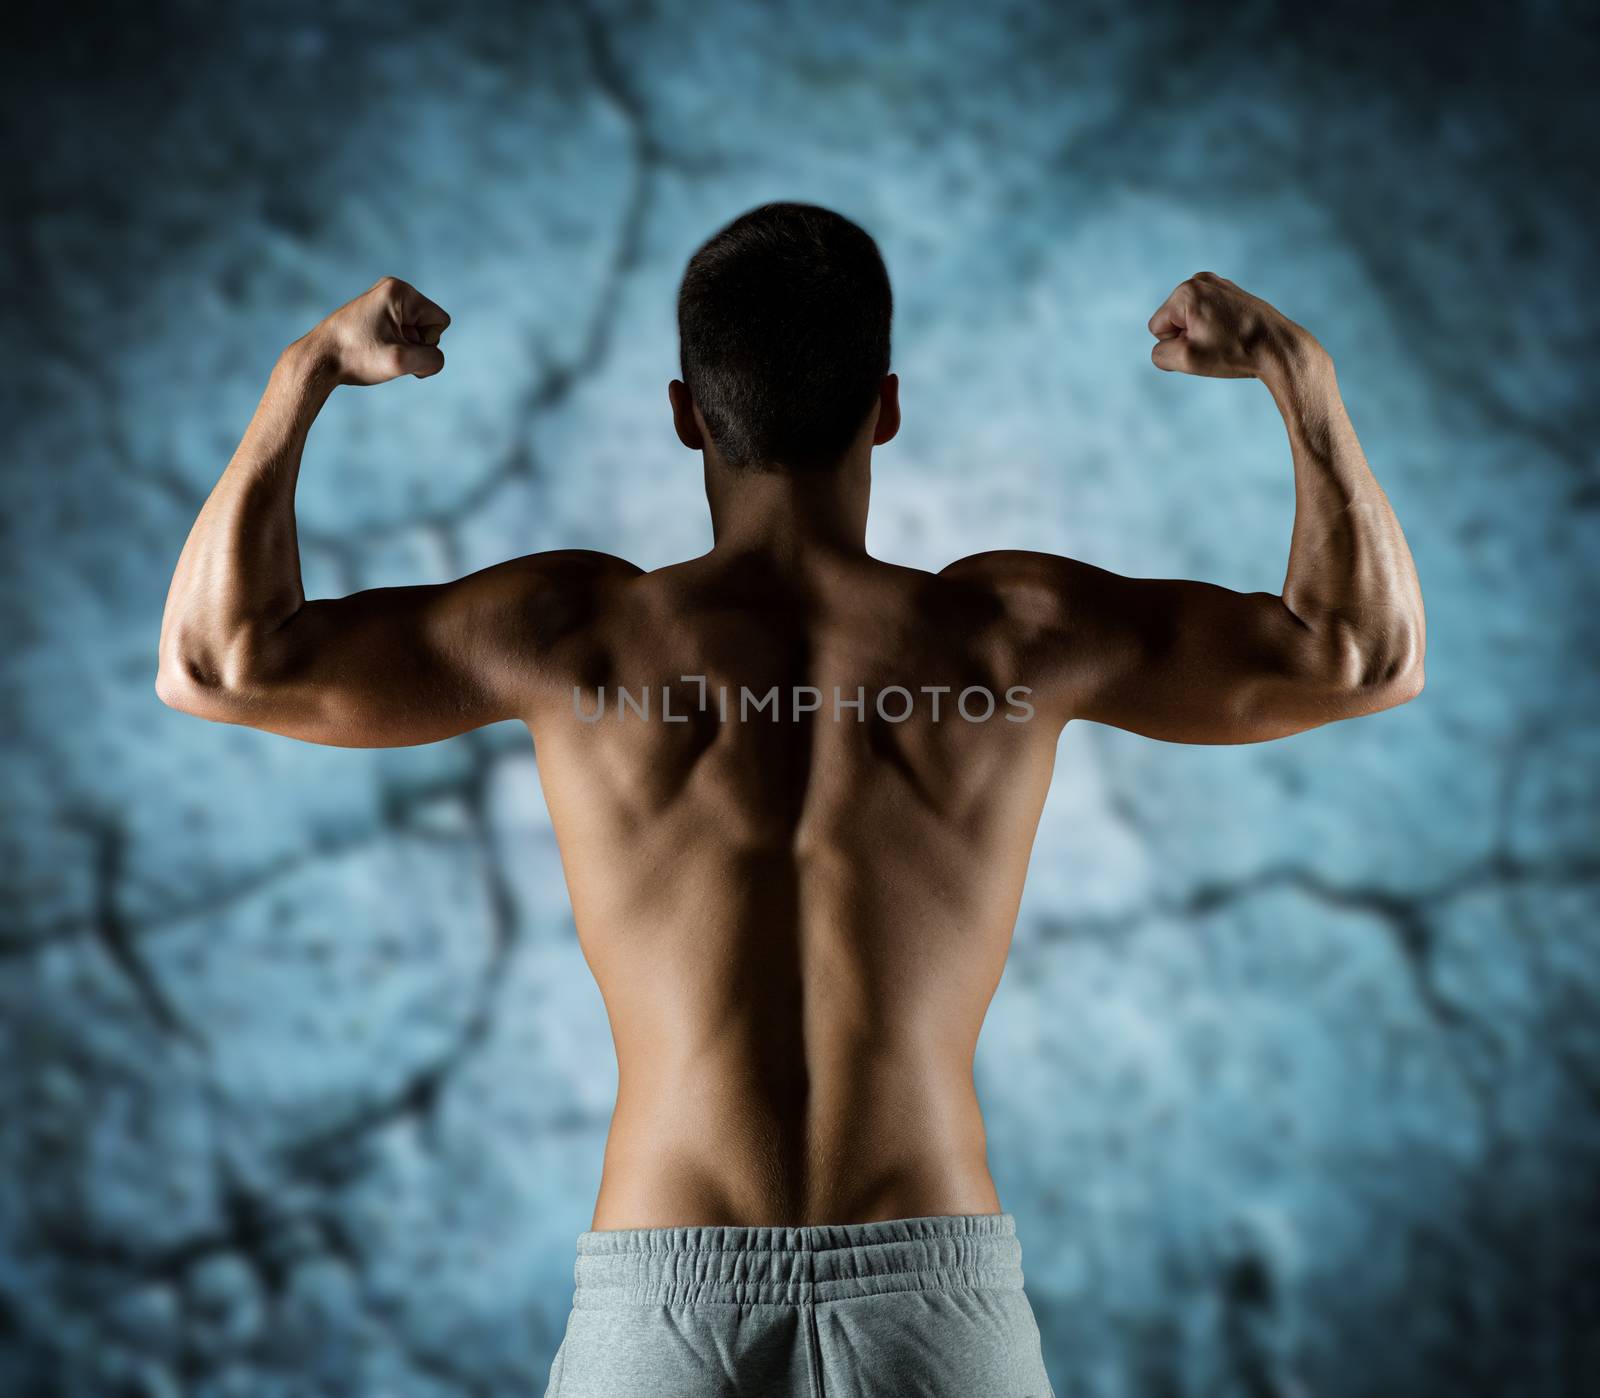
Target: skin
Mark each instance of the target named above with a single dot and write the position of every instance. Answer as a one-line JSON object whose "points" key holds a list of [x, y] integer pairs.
{"points": [[797, 925]]}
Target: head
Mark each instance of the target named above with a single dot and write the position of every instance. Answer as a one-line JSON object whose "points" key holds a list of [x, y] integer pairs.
{"points": [[783, 319]]}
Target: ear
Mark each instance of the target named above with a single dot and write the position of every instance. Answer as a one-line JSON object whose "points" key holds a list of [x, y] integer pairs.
{"points": [[684, 418], [888, 410]]}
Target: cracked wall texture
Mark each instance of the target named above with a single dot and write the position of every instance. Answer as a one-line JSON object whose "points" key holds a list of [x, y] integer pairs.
{"points": [[1292, 1080]]}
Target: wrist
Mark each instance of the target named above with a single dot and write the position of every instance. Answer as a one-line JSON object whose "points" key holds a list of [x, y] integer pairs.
{"points": [[312, 359], [1292, 358]]}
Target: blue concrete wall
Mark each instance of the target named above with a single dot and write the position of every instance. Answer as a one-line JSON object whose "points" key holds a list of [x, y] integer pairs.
{"points": [[1293, 1078]]}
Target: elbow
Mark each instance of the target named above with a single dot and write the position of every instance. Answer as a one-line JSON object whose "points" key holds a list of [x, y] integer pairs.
{"points": [[175, 675], [1401, 687], [183, 685], [1388, 674], [1410, 679], [168, 690], [1363, 670], [191, 684], [1399, 671]]}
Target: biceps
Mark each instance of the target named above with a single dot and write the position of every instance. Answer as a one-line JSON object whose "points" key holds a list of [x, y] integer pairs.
{"points": [[1191, 662]]}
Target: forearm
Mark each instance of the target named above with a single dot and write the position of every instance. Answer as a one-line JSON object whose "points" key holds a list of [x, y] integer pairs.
{"points": [[1351, 579], [238, 577]]}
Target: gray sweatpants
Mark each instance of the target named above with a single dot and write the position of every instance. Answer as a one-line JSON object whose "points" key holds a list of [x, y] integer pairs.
{"points": [[920, 1307]]}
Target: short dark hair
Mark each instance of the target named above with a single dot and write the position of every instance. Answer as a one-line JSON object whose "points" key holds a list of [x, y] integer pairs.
{"points": [[783, 322]]}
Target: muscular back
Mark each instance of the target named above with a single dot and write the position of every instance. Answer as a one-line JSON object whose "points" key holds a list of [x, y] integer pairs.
{"points": [[797, 919]]}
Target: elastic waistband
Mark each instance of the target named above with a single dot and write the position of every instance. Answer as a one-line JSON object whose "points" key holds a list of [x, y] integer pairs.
{"points": [[793, 1266]]}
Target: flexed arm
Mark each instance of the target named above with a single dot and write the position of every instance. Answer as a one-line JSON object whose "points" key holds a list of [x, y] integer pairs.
{"points": [[1192, 662], [386, 667]]}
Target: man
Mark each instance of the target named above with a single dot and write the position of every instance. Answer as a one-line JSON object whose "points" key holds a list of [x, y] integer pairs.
{"points": [[795, 789]]}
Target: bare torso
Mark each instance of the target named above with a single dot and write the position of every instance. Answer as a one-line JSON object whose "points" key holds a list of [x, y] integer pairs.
{"points": [[797, 918], [797, 923]]}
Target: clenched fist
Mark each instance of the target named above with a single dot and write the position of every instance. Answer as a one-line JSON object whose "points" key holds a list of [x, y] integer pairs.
{"points": [[389, 330], [1210, 326]]}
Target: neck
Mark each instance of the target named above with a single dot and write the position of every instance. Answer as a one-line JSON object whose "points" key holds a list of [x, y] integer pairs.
{"points": [[790, 513]]}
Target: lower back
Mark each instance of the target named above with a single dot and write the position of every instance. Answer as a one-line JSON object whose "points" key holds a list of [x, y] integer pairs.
{"points": [[736, 1135]]}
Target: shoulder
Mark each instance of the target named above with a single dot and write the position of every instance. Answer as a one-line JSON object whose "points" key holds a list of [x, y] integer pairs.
{"points": [[542, 599], [568, 566], [1036, 592], [537, 578], [1023, 568]]}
